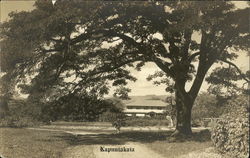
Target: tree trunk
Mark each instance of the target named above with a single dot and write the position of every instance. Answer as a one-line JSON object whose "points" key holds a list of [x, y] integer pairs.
{"points": [[183, 115]]}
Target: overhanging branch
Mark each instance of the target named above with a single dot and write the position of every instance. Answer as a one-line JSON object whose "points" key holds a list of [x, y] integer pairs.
{"points": [[89, 75], [141, 49], [106, 33], [238, 69]]}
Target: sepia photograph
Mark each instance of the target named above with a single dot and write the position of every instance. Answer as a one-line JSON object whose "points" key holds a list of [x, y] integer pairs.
{"points": [[124, 79]]}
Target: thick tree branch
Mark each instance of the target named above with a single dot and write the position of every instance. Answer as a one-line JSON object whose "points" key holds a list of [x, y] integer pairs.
{"points": [[204, 63], [163, 66], [107, 33], [191, 57], [187, 37], [200, 75]]}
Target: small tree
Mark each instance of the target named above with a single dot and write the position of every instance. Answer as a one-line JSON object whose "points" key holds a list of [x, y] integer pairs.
{"points": [[118, 121], [114, 113]]}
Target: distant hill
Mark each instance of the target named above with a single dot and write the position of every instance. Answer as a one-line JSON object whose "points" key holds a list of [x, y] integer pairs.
{"points": [[147, 100]]}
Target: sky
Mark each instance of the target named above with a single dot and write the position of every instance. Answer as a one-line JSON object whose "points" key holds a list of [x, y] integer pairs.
{"points": [[141, 86]]}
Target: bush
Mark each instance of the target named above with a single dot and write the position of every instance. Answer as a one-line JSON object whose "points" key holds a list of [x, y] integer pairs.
{"points": [[205, 106], [132, 121], [108, 116], [73, 107], [230, 134], [19, 122], [145, 121], [21, 113], [196, 123]]}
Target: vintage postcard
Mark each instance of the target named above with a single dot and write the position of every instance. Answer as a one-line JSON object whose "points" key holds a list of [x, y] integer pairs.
{"points": [[124, 79]]}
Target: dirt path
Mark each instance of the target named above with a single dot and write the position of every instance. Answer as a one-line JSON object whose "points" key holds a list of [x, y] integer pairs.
{"points": [[138, 150], [94, 151], [81, 151], [99, 150], [206, 153]]}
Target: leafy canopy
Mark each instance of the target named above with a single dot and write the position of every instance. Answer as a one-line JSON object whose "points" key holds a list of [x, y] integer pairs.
{"points": [[77, 47]]}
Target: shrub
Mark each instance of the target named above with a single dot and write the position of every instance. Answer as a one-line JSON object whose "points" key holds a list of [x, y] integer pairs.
{"points": [[108, 116], [20, 114], [73, 107], [230, 134], [19, 122], [145, 121], [196, 123]]}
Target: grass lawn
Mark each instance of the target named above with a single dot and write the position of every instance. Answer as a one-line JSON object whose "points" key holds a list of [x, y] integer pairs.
{"points": [[174, 150], [159, 142], [197, 145], [24, 143]]}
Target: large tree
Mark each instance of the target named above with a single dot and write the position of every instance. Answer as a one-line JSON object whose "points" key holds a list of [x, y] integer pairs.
{"points": [[95, 42]]}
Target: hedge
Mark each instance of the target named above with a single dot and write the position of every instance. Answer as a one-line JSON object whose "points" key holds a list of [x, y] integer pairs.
{"points": [[230, 134], [145, 121]]}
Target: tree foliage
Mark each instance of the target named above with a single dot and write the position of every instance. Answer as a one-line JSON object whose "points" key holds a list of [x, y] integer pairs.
{"points": [[75, 107], [94, 42], [206, 106], [230, 134]]}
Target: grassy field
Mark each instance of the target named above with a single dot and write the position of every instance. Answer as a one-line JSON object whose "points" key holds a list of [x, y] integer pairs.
{"points": [[23, 143], [197, 144]]}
